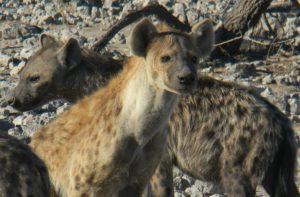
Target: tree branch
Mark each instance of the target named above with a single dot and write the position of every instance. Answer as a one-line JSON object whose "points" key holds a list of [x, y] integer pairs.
{"points": [[155, 9]]}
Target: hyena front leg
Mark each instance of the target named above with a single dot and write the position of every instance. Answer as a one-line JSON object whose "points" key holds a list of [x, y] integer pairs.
{"points": [[161, 183]]}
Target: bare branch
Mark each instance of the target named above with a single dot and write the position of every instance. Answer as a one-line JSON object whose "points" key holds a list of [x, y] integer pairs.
{"points": [[267, 42], [284, 7], [155, 9], [228, 41]]}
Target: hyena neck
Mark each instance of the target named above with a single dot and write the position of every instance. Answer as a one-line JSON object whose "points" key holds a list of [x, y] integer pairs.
{"points": [[146, 108], [88, 77]]}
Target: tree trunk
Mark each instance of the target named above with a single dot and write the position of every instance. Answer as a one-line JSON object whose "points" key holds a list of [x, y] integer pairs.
{"points": [[244, 15]]}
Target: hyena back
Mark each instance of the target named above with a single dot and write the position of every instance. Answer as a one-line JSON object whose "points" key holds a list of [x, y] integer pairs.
{"points": [[110, 143]]}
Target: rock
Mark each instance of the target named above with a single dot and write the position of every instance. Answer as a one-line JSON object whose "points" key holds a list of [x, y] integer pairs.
{"points": [[179, 11], [10, 33], [284, 80], [181, 183], [24, 11], [83, 11], [62, 108], [294, 106], [268, 79], [29, 1], [18, 120], [31, 42], [266, 93], [72, 20], [194, 192], [95, 12], [4, 59], [26, 53], [48, 20], [30, 30], [15, 69], [16, 132]]}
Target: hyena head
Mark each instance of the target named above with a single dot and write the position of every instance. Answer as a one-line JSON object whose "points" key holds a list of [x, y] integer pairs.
{"points": [[172, 57], [44, 73]]}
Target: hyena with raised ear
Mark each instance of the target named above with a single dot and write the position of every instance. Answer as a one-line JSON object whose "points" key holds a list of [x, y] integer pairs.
{"points": [[22, 173], [110, 143], [261, 137]]}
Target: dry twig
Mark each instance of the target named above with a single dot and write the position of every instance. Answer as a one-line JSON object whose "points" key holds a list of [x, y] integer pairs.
{"points": [[155, 9]]}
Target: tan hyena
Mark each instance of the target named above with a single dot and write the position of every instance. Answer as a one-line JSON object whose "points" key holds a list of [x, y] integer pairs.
{"points": [[22, 173], [199, 129], [110, 143], [48, 78]]}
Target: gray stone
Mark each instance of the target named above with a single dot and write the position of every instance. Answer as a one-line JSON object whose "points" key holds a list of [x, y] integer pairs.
{"points": [[73, 20], [268, 79], [194, 192], [26, 53], [18, 120], [16, 132], [294, 106], [179, 11], [267, 92], [284, 80], [4, 59], [62, 108], [83, 11], [95, 12], [24, 11], [15, 70], [10, 33]]}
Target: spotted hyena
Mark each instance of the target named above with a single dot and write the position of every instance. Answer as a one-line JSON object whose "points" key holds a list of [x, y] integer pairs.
{"points": [[50, 74], [22, 173], [228, 134], [223, 133], [110, 143]]}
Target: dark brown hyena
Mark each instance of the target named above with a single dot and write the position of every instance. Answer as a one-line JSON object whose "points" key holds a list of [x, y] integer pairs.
{"points": [[223, 133], [228, 134], [22, 173], [48, 75]]}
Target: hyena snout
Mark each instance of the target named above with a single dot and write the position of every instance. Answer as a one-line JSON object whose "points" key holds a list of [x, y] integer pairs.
{"points": [[14, 102], [186, 77], [10, 99], [184, 80]]}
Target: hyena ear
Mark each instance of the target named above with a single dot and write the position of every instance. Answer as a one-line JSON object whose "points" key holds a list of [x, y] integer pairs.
{"points": [[70, 54], [203, 36], [46, 39], [141, 36]]}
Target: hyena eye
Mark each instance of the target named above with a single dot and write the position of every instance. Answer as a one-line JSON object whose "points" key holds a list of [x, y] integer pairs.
{"points": [[34, 79], [194, 60], [165, 59]]}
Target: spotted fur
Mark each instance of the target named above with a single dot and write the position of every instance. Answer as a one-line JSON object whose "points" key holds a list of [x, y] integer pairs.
{"points": [[110, 143], [22, 173]]}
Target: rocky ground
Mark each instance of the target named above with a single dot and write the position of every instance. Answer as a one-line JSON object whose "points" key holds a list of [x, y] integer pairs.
{"points": [[276, 76]]}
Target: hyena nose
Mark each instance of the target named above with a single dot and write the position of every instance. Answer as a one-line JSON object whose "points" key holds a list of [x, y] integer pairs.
{"points": [[13, 102], [186, 78]]}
